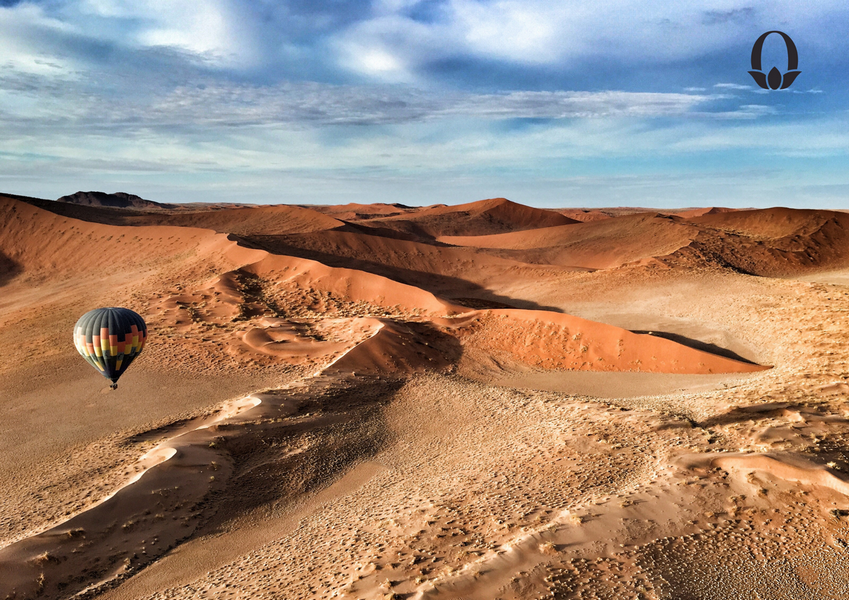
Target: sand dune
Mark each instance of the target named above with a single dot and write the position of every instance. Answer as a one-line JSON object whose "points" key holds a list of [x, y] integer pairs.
{"points": [[476, 218], [772, 223], [256, 220], [381, 401], [452, 271], [548, 341], [600, 244], [700, 212], [772, 242], [38, 240], [584, 215], [361, 212]]}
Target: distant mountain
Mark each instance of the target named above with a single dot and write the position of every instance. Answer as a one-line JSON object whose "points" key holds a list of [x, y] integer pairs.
{"points": [[116, 200]]}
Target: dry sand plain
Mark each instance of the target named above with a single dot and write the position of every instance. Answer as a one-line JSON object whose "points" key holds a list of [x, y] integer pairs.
{"points": [[483, 401]]}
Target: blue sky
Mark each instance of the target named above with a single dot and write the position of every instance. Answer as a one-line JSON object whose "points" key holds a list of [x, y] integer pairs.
{"points": [[611, 103]]}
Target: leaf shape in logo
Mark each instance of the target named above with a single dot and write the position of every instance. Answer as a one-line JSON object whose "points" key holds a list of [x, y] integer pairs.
{"points": [[774, 78], [789, 78], [759, 78]]}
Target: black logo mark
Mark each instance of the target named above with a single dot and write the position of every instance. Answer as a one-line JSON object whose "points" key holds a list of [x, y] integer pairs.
{"points": [[775, 80]]}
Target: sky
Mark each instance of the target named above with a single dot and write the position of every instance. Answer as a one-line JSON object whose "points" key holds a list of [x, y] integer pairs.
{"points": [[550, 104]]}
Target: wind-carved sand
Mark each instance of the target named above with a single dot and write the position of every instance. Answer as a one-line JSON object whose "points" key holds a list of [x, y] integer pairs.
{"points": [[482, 401], [50, 548]]}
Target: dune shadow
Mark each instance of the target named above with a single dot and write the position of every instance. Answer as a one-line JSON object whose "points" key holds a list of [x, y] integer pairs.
{"points": [[9, 269], [412, 232], [337, 428], [453, 289], [697, 345], [754, 413]]}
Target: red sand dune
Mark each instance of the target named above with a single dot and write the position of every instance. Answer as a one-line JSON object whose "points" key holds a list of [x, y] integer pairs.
{"points": [[700, 212], [297, 341], [773, 242], [772, 222], [539, 339], [583, 214], [457, 268], [357, 212], [484, 217], [258, 220], [348, 284], [256, 284], [40, 240], [598, 244], [397, 347], [547, 340]]}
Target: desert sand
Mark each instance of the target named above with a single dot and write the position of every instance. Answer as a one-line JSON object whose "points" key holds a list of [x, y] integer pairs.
{"points": [[479, 401]]}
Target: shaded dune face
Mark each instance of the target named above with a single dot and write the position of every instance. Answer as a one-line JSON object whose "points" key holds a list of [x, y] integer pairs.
{"points": [[773, 242], [599, 244], [476, 218], [368, 452]]}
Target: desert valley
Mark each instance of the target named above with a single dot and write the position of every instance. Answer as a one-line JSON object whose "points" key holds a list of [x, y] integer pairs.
{"points": [[480, 401]]}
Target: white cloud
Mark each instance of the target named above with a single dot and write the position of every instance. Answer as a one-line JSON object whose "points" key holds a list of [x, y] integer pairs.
{"points": [[809, 139], [26, 44], [516, 31], [561, 34], [313, 104], [557, 105], [215, 30], [732, 86], [197, 27], [376, 61], [388, 47]]}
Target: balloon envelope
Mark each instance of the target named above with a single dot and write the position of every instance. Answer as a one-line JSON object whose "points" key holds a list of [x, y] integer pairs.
{"points": [[110, 339]]}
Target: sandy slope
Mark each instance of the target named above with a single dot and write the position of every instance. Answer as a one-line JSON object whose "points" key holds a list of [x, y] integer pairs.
{"points": [[227, 218], [475, 218], [365, 421], [596, 244]]}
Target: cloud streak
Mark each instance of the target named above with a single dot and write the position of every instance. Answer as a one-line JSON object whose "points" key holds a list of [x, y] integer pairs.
{"points": [[61, 103]]}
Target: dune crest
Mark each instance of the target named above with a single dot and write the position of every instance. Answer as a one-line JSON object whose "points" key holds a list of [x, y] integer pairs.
{"points": [[546, 340], [483, 217]]}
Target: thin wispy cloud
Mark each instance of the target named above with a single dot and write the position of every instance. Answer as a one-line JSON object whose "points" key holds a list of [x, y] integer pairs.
{"points": [[212, 104], [732, 86]]}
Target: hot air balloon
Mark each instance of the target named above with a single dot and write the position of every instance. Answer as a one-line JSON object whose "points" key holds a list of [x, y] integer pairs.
{"points": [[110, 339]]}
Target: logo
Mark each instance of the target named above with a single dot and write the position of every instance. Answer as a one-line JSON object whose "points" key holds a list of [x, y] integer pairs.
{"points": [[774, 80]]}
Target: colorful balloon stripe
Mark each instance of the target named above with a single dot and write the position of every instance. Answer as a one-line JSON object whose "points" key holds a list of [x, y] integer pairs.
{"points": [[109, 339]]}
